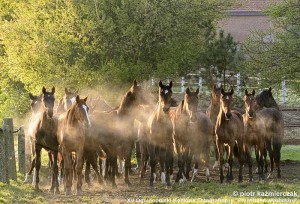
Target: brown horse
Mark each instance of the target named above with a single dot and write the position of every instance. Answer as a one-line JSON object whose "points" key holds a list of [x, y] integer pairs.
{"points": [[44, 134], [71, 137], [113, 130], [160, 135], [268, 111], [254, 135], [213, 112], [229, 129], [192, 133]]}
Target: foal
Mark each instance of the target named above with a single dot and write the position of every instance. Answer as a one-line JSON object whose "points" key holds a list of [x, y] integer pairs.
{"points": [[229, 129], [254, 136]]}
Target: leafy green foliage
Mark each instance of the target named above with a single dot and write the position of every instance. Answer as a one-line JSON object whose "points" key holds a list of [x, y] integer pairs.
{"points": [[101, 42]]}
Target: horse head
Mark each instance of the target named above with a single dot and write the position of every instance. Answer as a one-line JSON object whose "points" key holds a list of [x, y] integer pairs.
{"points": [[165, 96], [250, 103], [48, 101], [225, 103], [36, 103], [81, 111], [191, 103], [69, 98], [266, 99], [215, 95]]}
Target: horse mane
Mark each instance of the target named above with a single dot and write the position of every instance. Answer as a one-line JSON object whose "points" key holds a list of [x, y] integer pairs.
{"points": [[264, 96], [126, 101], [70, 115]]}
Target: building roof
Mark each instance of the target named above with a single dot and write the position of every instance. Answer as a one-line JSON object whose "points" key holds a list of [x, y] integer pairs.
{"points": [[253, 5]]}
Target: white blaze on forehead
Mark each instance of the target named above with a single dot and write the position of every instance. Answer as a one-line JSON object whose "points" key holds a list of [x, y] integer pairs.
{"points": [[87, 115], [35, 102], [72, 100], [166, 91], [227, 97]]}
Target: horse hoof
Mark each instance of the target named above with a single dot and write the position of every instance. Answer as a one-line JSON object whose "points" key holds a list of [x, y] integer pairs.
{"points": [[207, 180], [152, 185], [51, 190], [251, 180], [169, 184], [279, 176], [57, 192], [68, 192]]}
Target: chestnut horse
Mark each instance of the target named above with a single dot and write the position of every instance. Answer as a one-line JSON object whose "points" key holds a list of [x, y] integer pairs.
{"points": [[44, 135], [229, 130], [192, 133], [254, 135], [268, 111], [71, 137], [160, 135]]}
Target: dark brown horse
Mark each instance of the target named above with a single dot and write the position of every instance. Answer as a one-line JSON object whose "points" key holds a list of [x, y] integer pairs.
{"points": [[160, 135], [44, 135], [213, 112], [268, 111], [71, 137], [192, 133], [254, 135], [229, 131], [113, 130]]}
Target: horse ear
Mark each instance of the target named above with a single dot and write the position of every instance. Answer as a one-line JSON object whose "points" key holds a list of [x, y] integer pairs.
{"points": [[53, 90], [85, 99], [253, 92], [187, 91], [270, 89], [160, 84], [31, 96], [170, 84], [77, 98], [197, 91], [44, 90], [246, 92], [215, 87], [231, 92], [134, 83], [222, 91]]}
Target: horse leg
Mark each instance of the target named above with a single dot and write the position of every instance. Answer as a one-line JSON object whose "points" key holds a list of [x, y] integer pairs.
{"points": [[230, 162], [169, 164], [188, 159], [206, 162], [87, 168], [95, 167], [216, 164], [114, 169], [127, 152], [79, 167], [50, 162], [37, 166], [144, 157], [260, 150], [270, 150], [26, 180], [152, 164], [68, 171], [276, 152], [162, 154], [221, 159], [250, 162], [180, 162], [55, 184]]}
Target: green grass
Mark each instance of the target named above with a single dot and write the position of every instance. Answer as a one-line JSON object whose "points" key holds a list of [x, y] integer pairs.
{"points": [[290, 152]]}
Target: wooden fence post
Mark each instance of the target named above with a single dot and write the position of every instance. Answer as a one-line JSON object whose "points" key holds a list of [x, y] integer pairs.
{"points": [[283, 92], [3, 164], [9, 136], [238, 84], [21, 150]]}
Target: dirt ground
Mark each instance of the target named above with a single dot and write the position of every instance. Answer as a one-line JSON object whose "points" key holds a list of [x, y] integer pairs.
{"points": [[105, 194]]}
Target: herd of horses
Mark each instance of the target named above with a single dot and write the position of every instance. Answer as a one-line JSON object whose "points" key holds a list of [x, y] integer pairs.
{"points": [[82, 131]]}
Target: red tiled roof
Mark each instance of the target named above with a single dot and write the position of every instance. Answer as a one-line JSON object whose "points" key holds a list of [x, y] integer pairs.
{"points": [[253, 5]]}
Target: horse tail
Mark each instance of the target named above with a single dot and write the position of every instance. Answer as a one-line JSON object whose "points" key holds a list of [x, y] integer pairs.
{"points": [[277, 144]]}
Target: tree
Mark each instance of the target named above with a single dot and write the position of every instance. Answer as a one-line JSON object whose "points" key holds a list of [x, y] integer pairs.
{"points": [[275, 54]]}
